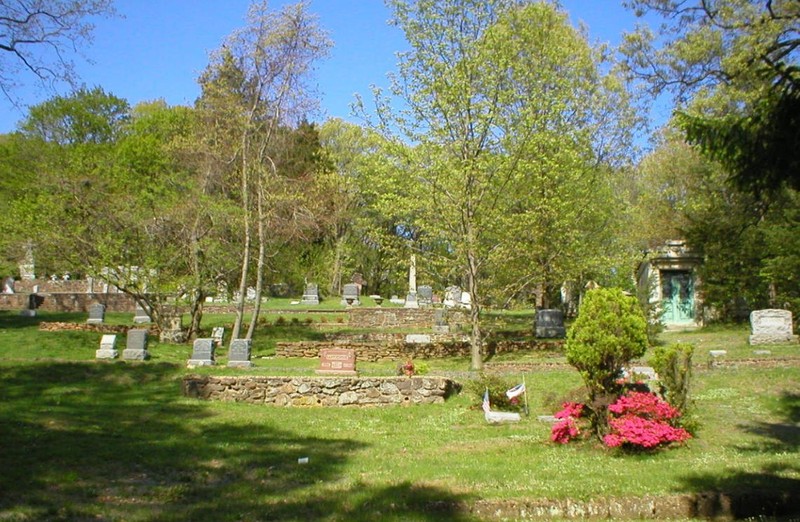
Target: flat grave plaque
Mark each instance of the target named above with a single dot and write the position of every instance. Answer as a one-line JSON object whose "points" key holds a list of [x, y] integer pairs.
{"points": [[337, 361]]}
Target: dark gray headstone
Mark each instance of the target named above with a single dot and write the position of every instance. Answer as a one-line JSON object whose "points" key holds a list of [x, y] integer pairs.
{"points": [[202, 353], [350, 292], [136, 346], [425, 295], [311, 295], [440, 325], [550, 324], [140, 316], [97, 313], [239, 354]]}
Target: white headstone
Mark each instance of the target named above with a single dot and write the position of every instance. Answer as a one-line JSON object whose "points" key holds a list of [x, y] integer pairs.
{"points": [[107, 348], [771, 326]]}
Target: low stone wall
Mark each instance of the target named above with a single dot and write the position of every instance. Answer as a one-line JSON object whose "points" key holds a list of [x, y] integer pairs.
{"points": [[403, 317], [68, 302], [320, 391], [399, 350]]}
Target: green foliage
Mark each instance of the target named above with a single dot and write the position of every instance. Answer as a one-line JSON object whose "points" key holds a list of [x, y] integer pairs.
{"points": [[497, 386], [673, 364], [608, 333]]}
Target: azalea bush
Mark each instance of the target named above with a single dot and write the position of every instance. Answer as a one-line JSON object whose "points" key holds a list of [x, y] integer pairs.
{"points": [[637, 420], [643, 420], [567, 428]]}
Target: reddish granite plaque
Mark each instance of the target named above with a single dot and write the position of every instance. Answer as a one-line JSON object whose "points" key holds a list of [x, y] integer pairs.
{"points": [[335, 361]]}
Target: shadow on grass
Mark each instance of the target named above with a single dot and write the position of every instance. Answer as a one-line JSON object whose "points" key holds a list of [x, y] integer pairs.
{"points": [[770, 492], [118, 442], [12, 319]]}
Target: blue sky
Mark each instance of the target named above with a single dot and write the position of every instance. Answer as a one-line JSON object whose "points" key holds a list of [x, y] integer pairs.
{"points": [[157, 48]]}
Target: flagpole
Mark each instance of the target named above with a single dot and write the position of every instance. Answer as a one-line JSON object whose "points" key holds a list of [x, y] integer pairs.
{"points": [[525, 387]]}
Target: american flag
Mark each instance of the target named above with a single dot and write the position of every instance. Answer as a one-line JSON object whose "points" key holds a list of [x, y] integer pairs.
{"points": [[486, 407]]}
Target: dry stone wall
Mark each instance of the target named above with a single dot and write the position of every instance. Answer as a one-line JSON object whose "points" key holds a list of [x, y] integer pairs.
{"points": [[403, 318], [320, 391], [68, 302], [397, 349]]}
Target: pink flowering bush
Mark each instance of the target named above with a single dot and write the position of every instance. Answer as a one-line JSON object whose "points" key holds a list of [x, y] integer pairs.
{"points": [[567, 428], [638, 420], [642, 420]]}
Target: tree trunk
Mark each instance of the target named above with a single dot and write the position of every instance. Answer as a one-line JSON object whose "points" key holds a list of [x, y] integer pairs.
{"points": [[262, 254], [237, 325]]}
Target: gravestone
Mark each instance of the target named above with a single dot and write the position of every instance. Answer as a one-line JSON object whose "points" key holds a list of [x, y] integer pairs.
{"points": [[411, 297], [466, 300], [337, 361], [107, 348], [140, 315], [418, 339], [8, 285], [440, 325], [425, 295], [33, 304], [550, 324], [396, 300], [173, 331], [97, 313], [771, 326], [239, 354], [452, 296], [311, 295], [202, 353], [136, 346], [350, 293], [218, 334]]}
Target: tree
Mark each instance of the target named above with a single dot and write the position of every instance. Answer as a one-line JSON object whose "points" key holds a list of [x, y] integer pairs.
{"points": [[505, 111], [40, 36], [732, 67], [255, 88]]}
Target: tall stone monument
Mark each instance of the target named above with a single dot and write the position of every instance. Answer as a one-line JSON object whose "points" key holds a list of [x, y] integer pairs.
{"points": [[411, 298]]}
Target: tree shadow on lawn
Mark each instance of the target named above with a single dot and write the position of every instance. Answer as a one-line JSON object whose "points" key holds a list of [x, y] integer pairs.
{"points": [[117, 441], [769, 492], [12, 319]]}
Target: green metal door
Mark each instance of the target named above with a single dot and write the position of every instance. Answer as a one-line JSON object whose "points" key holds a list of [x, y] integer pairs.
{"points": [[677, 291]]}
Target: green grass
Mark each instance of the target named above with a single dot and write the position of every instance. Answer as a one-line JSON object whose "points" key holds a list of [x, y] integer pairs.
{"points": [[89, 440]]}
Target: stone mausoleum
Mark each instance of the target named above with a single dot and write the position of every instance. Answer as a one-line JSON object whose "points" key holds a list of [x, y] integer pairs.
{"points": [[671, 271]]}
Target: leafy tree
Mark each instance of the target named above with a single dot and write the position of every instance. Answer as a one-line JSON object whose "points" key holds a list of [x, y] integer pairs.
{"points": [[510, 122], [255, 87], [39, 37], [732, 67]]}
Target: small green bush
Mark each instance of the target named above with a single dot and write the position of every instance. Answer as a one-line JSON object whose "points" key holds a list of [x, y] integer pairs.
{"points": [[674, 366], [497, 387], [608, 333]]}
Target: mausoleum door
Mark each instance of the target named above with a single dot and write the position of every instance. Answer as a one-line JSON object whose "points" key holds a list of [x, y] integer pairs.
{"points": [[677, 291]]}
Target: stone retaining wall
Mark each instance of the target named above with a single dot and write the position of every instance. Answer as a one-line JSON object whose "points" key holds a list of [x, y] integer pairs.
{"points": [[320, 391], [68, 302], [403, 317], [398, 350]]}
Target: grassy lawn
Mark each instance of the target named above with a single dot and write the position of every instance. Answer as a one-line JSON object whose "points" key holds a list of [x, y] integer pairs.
{"points": [[87, 440]]}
